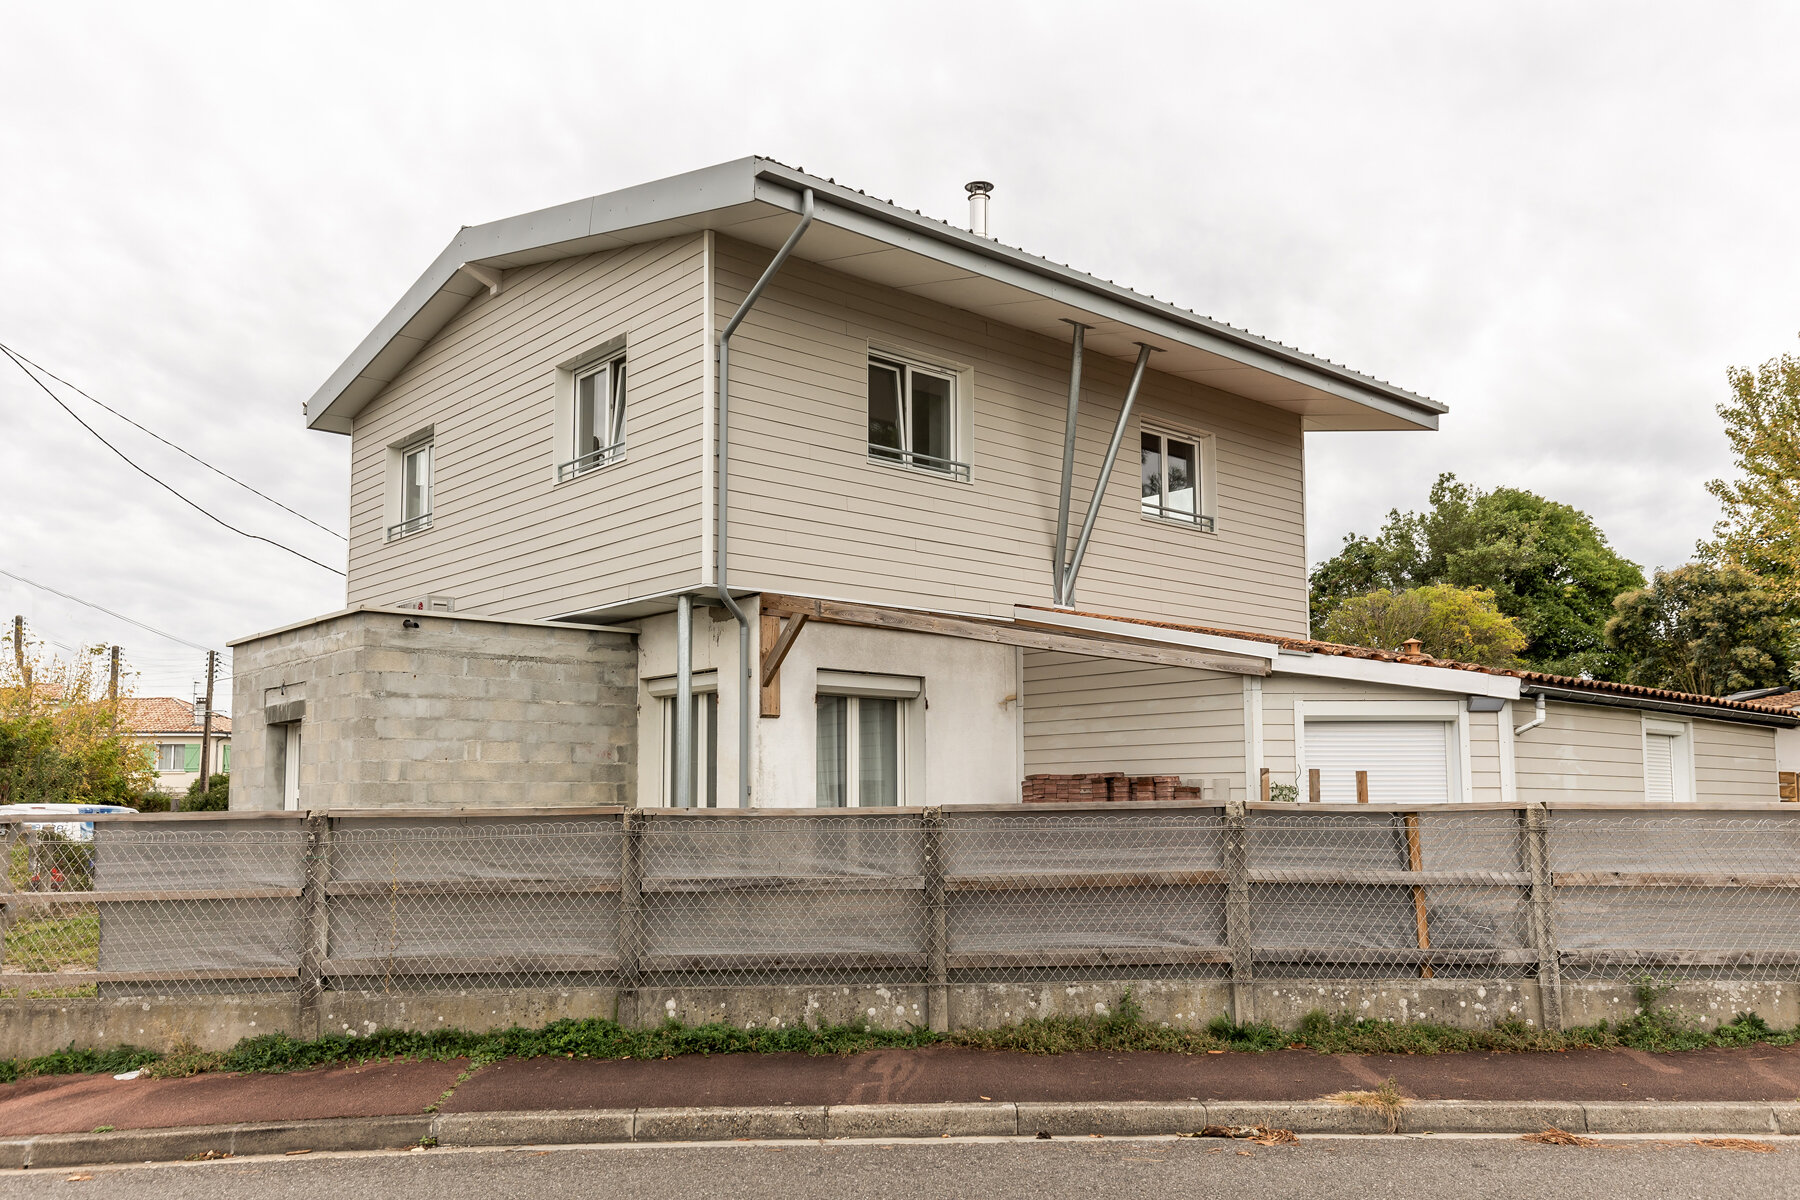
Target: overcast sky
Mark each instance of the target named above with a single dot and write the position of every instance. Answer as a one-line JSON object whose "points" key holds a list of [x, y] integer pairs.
{"points": [[1564, 221]]}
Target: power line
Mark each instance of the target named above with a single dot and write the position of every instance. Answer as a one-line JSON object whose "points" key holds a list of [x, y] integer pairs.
{"points": [[152, 478], [172, 445], [44, 587]]}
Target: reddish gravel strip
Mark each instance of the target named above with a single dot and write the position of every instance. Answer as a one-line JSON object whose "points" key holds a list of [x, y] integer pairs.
{"points": [[80, 1104]]}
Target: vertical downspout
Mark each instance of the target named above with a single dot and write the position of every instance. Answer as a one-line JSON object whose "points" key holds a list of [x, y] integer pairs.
{"points": [[722, 528], [682, 790], [1058, 563]]}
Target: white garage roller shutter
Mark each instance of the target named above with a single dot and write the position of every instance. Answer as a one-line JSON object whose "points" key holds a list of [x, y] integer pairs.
{"points": [[1408, 761]]}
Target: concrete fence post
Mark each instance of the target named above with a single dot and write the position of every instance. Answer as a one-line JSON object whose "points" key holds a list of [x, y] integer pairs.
{"points": [[937, 926], [315, 919], [631, 913], [1237, 911], [8, 833], [1543, 927]]}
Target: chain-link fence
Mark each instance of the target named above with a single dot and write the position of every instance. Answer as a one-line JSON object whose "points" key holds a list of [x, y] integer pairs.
{"points": [[399, 903]]}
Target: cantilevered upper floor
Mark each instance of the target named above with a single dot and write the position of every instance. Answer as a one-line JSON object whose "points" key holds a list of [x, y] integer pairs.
{"points": [[534, 423]]}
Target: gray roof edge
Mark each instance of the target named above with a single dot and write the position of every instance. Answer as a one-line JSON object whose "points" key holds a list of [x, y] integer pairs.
{"points": [[989, 249], [737, 182]]}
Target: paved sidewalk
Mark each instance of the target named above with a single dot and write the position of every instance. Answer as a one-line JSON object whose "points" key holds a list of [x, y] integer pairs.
{"points": [[81, 1104]]}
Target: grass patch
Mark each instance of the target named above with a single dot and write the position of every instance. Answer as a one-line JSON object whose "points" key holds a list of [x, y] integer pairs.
{"points": [[1385, 1100], [53, 943], [1653, 1028]]}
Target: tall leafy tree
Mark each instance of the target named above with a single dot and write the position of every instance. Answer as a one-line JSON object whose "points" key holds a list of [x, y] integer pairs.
{"points": [[1761, 527], [1457, 623], [61, 737], [1706, 629], [1547, 564]]}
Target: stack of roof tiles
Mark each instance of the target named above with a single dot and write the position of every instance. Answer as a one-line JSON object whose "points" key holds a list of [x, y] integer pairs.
{"points": [[1106, 787]]}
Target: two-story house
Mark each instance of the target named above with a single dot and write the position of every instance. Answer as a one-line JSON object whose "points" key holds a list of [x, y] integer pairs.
{"points": [[743, 487]]}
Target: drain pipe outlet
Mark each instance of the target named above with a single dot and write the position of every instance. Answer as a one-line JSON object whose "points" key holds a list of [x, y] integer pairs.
{"points": [[1535, 721], [722, 532]]}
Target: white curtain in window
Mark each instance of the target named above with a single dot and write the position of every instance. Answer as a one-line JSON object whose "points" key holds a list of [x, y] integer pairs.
{"points": [[878, 751], [833, 714]]}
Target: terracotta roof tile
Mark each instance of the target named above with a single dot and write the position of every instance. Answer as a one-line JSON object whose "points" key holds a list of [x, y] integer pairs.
{"points": [[166, 714]]}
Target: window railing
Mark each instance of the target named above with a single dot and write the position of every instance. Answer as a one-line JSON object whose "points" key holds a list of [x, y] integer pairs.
{"points": [[1175, 514], [924, 462], [412, 525], [593, 460]]}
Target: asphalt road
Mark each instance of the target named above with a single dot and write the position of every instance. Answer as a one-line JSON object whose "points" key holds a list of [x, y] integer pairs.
{"points": [[1318, 1168]]}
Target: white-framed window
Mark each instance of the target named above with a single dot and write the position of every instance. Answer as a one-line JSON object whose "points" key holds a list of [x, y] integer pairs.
{"points": [[1668, 762], [914, 416], [862, 738], [597, 413], [172, 756], [411, 480], [705, 756], [1175, 477]]}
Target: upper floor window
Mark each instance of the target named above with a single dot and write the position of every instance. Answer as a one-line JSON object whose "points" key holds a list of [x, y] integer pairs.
{"points": [[913, 417], [1173, 479], [410, 509], [598, 415]]}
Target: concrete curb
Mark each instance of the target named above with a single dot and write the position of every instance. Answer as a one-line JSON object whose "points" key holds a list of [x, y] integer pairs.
{"points": [[811, 1122]]}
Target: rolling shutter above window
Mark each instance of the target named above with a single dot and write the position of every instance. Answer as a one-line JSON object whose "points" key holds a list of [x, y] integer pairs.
{"points": [[1408, 761]]}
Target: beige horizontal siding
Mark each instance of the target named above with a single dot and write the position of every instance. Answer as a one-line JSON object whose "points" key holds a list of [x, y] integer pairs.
{"points": [[811, 513], [1580, 752], [505, 539], [1085, 715], [1734, 762]]}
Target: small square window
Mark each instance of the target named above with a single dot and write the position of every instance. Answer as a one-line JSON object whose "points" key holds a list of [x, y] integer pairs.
{"points": [[1171, 474], [599, 417], [913, 416]]}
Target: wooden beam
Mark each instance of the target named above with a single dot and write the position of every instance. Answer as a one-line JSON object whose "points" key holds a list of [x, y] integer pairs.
{"points": [[1314, 789], [60, 899], [1415, 861], [776, 640], [1362, 787], [1671, 879], [1265, 785], [1007, 633], [1027, 881]]}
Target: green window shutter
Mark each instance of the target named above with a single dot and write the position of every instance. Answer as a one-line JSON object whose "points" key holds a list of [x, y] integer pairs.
{"points": [[192, 760], [225, 759]]}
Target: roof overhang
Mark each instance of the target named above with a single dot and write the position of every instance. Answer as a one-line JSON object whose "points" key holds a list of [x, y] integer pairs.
{"points": [[755, 200]]}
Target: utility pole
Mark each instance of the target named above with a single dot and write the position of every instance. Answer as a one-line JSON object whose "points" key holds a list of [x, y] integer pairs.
{"points": [[112, 687], [19, 651], [212, 668]]}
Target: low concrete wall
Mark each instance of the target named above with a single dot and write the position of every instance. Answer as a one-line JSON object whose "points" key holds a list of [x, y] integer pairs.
{"points": [[217, 1022]]}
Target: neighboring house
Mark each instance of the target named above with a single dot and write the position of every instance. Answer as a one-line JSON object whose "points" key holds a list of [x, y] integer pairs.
{"points": [[859, 550], [171, 737]]}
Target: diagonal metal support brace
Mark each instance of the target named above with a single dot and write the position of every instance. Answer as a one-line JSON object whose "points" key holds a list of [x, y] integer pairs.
{"points": [[1067, 588], [1068, 467]]}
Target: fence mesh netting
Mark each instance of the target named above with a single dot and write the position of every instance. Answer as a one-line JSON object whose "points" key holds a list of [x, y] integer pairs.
{"points": [[406, 903]]}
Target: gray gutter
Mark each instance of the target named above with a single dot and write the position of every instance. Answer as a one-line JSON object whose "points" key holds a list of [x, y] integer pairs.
{"points": [[1616, 700], [584, 225]]}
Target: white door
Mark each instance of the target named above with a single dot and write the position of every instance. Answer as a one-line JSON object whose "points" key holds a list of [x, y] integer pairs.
{"points": [[290, 783], [1409, 762]]}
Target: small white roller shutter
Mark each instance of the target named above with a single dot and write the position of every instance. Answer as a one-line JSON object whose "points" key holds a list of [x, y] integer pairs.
{"points": [[1659, 768], [1408, 761]]}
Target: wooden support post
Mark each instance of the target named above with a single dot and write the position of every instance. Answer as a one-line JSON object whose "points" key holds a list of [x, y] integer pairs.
{"points": [[1362, 787], [937, 925], [1314, 789], [631, 915], [315, 919], [1536, 824], [1265, 785], [1237, 912], [1415, 861], [775, 643]]}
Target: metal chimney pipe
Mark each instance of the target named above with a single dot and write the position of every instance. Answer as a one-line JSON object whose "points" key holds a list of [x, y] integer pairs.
{"points": [[978, 206]]}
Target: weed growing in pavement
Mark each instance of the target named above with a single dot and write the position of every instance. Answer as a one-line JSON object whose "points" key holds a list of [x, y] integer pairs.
{"points": [[1385, 1100], [1124, 1028]]}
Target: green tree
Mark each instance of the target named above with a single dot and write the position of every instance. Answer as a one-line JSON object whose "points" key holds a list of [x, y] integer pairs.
{"points": [[1456, 623], [1547, 564], [1761, 527], [214, 797], [61, 738], [1705, 629]]}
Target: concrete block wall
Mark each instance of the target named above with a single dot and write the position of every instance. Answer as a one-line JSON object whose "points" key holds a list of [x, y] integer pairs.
{"points": [[459, 712]]}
